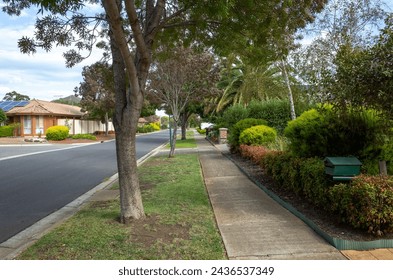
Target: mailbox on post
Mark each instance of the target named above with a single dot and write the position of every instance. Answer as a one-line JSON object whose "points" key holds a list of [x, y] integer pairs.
{"points": [[342, 168]]}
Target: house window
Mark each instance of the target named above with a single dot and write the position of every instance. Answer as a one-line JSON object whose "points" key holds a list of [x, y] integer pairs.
{"points": [[27, 125], [39, 124]]}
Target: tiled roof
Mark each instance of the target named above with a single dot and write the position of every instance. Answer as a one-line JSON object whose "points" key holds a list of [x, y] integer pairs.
{"points": [[40, 107]]}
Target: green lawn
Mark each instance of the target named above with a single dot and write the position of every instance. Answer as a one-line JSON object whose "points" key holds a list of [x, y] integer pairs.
{"points": [[179, 223], [188, 143]]}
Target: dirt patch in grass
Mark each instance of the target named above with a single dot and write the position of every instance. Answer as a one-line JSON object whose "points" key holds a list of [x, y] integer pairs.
{"points": [[146, 186], [148, 230]]}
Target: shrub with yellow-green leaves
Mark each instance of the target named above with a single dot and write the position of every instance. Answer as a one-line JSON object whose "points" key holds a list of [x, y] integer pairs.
{"points": [[57, 133]]}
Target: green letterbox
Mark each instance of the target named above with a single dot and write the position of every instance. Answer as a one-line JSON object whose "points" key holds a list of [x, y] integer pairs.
{"points": [[342, 168]]}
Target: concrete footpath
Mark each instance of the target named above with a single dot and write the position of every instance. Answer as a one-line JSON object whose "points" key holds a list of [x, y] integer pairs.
{"points": [[253, 225]]}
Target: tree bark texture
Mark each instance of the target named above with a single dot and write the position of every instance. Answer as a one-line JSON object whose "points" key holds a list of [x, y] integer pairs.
{"points": [[130, 74], [183, 122], [131, 205], [290, 95], [174, 137]]}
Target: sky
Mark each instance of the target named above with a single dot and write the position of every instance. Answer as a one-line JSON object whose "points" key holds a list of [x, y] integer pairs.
{"points": [[43, 75]]}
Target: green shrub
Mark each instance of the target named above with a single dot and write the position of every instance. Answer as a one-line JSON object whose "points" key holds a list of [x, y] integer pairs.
{"points": [[231, 116], [239, 127], [57, 133], [258, 135], [326, 132], [155, 126], [84, 136], [6, 131], [201, 131], [276, 112], [272, 163], [366, 203], [151, 127], [307, 134], [314, 182], [280, 144], [303, 176]]}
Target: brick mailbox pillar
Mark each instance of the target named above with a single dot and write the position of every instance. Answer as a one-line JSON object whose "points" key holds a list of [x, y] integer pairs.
{"points": [[222, 139]]}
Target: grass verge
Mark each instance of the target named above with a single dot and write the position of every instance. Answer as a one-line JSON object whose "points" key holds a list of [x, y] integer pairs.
{"points": [[179, 221], [183, 144]]}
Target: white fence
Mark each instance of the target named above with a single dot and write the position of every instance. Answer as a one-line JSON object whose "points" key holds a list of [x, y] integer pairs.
{"points": [[84, 126]]}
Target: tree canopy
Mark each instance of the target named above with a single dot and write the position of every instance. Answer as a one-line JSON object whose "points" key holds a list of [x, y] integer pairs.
{"points": [[15, 96], [342, 22], [364, 76]]}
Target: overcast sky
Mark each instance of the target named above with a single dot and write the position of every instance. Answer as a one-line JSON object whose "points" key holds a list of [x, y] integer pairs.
{"points": [[42, 75]]}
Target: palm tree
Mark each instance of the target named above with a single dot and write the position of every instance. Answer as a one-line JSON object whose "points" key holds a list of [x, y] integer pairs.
{"points": [[242, 83]]}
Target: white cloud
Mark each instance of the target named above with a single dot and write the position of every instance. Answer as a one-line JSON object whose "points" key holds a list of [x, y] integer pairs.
{"points": [[42, 75]]}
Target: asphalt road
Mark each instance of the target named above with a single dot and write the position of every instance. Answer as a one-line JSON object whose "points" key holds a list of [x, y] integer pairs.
{"points": [[37, 180]]}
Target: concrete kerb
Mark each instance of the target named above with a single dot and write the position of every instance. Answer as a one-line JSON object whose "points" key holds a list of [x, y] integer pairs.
{"points": [[15, 245]]}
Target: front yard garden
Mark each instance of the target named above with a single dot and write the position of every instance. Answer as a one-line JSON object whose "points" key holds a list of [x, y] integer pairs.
{"points": [[291, 164]]}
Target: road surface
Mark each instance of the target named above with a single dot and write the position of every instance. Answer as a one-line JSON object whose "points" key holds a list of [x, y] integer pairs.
{"points": [[35, 181]]}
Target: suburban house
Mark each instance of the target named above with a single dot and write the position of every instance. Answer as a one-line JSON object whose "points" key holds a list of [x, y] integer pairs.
{"points": [[35, 116]]}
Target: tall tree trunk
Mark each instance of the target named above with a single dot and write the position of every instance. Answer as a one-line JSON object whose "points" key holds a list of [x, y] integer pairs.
{"points": [[183, 124], [173, 140], [290, 96], [130, 67], [127, 110], [131, 205], [106, 124]]}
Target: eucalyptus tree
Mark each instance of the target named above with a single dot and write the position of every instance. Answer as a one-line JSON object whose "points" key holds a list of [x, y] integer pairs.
{"points": [[135, 28], [364, 75], [342, 22]]}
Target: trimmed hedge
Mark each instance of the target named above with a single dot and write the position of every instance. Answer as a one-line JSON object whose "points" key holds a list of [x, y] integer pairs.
{"points": [[365, 203], [307, 134], [276, 112], [57, 133], [6, 131], [84, 136], [239, 127], [232, 115], [304, 176], [258, 135]]}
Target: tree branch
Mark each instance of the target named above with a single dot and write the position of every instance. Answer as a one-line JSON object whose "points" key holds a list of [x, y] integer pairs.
{"points": [[116, 26], [136, 28]]}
